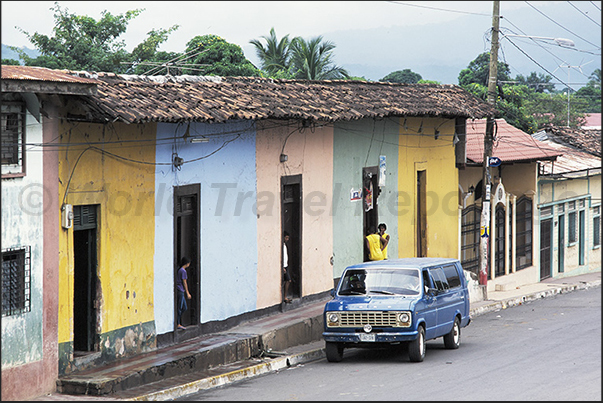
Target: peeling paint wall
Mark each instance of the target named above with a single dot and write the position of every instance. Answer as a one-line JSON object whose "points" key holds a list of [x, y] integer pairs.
{"points": [[22, 210], [111, 166]]}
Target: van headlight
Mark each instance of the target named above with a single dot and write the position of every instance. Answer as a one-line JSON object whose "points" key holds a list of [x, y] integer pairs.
{"points": [[404, 319], [332, 319]]}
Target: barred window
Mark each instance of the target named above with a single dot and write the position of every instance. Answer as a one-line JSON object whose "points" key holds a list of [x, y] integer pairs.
{"points": [[13, 138], [596, 227], [16, 281], [571, 228], [523, 226], [470, 240]]}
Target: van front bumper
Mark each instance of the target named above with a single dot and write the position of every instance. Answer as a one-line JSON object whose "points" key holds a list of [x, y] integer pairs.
{"points": [[382, 337]]}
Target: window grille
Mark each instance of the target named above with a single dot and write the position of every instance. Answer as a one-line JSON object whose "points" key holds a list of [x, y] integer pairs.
{"points": [[16, 281], [13, 138], [596, 227], [571, 227], [470, 239], [523, 226]]}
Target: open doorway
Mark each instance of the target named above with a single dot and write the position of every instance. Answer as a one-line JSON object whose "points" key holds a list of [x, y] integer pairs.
{"points": [[84, 279], [370, 193], [421, 213], [186, 243], [291, 223]]}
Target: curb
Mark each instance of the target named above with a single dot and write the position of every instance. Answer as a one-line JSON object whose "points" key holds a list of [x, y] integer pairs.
{"points": [[273, 365], [510, 302]]}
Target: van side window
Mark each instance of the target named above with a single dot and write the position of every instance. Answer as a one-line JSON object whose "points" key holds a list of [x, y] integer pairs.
{"points": [[452, 275], [426, 280], [440, 278]]}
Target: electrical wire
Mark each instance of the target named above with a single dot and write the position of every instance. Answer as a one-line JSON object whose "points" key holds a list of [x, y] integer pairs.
{"points": [[438, 9], [578, 36], [570, 3]]}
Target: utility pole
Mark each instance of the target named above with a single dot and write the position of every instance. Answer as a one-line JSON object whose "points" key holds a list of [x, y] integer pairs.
{"points": [[488, 141]]}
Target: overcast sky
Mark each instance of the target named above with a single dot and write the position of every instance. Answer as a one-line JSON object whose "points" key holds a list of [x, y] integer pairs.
{"points": [[240, 21]]}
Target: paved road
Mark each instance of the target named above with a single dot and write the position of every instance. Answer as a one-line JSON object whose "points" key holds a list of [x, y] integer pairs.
{"points": [[544, 350]]}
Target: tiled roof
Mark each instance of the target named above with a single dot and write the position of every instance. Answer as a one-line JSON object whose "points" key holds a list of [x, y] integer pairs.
{"points": [[31, 73], [510, 145], [586, 140], [137, 99]]}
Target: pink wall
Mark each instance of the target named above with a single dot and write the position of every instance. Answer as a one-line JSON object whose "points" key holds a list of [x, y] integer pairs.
{"points": [[310, 153]]}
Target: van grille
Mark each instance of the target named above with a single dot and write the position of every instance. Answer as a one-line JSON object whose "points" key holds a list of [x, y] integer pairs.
{"points": [[375, 319]]}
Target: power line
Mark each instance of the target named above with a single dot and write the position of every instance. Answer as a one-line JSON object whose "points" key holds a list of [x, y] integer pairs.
{"points": [[584, 14], [585, 40], [436, 8], [597, 7]]}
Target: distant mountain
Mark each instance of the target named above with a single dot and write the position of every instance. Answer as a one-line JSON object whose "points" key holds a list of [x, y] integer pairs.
{"points": [[8, 53]]}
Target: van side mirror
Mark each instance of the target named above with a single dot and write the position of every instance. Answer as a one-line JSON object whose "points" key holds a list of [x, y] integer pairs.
{"points": [[432, 291], [332, 292]]}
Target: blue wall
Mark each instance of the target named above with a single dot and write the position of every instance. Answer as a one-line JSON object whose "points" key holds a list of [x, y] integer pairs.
{"points": [[225, 168]]}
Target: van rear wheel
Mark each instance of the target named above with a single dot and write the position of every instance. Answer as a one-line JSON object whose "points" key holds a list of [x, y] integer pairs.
{"points": [[334, 351], [416, 348], [453, 339]]}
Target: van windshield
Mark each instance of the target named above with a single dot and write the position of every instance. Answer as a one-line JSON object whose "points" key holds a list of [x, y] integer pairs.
{"points": [[380, 281]]}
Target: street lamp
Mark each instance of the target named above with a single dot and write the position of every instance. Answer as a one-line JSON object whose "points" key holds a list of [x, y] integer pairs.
{"points": [[559, 41]]}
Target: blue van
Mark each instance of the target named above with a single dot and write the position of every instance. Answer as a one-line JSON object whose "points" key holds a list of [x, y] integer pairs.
{"points": [[388, 302]]}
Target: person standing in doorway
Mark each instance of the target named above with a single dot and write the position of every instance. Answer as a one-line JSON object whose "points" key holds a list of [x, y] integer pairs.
{"points": [[182, 289], [385, 239], [374, 244], [286, 274]]}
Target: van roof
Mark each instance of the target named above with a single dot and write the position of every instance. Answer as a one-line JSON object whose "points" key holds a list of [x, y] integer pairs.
{"points": [[415, 262]]}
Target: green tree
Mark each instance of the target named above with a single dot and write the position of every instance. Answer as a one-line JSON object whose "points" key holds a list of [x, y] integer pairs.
{"points": [[537, 81], [478, 71], [83, 43], [276, 55], [10, 62], [213, 56], [313, 60], [403, 76]]}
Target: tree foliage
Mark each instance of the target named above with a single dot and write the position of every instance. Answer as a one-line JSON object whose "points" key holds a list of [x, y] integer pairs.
{"points": [[214, 56], [298, 58], [478, 71], [530, 102], [83, 43], [275, 56], [313, 60], [406, 76]]}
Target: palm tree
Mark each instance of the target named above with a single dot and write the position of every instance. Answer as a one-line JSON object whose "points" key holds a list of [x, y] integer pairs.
{"points": [[313, 60], [275, 55]]}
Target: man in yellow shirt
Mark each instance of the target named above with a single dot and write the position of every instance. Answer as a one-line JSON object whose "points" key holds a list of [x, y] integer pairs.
{"points": [[382, 227], [374, 244]]}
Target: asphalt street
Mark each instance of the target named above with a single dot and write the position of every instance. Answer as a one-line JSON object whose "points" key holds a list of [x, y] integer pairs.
{"points": [[547, 349]]}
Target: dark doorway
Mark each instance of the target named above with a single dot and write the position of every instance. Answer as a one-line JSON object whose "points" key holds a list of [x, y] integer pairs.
{"points": [[84, 278], [545, 248], [370, 194], [291, 223], [186, 243], [499, 243], [421, 213]]}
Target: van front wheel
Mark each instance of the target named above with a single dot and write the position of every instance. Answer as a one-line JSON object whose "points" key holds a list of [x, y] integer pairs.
{"points": [[334, 351], [453, 339], [416, 348]]}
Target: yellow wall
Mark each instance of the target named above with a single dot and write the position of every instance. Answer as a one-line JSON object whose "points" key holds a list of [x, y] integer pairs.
{"points": [[124, 191], [421, 151]]}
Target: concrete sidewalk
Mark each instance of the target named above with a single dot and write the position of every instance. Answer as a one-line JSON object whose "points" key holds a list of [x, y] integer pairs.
{"points": [[274, 343]]}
